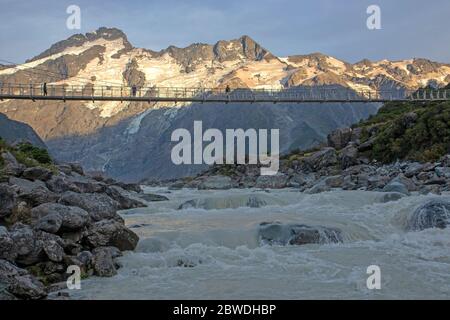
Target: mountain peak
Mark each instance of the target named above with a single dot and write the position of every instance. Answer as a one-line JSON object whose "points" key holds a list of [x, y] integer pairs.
{"points": [[79, 39]]}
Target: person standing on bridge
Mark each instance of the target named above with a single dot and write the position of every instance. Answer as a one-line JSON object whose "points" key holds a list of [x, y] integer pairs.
{"points": [[227, 89], [44, 89], [133, 90]]}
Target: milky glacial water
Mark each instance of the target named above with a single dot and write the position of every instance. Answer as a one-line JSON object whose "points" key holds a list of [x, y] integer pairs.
{"points": [[215, 253]]}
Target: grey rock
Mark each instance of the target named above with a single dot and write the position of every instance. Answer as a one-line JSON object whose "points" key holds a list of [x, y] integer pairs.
{"points": [[334, 181], [319, 187], [297, 234], [7, 251], [111, 233], [24, 185], [396, 186], [53, 250], [322, 159], [432, 214], [65, 168], [38, 196], [60, 184], [85, 257], [443, 172], [72, 218], [427, 189], [408, 183], [99, 206], [413, 169], [124, 198], [152, 197], [302, 179], [19, 283], [390, 196], [76, 167], [216, 183], [8, 200], [49, 223], [348, 156], [339, 138], [37, 173], [86, 185], [25, 244], [11, 165], [277, 181], [367, 145], [103, 263]]}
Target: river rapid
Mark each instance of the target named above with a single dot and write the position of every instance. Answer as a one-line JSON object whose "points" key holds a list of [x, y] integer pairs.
{"points": [[213, 250]]}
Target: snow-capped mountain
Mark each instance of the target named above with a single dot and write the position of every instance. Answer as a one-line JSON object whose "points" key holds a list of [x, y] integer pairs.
{"points": [[105, 57]]}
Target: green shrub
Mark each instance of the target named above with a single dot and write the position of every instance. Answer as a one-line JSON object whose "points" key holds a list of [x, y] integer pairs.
{"points": [[39, 154], [427, 139]]}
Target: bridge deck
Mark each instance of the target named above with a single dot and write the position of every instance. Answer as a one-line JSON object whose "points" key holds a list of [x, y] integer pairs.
{"points": [[201, 95]]}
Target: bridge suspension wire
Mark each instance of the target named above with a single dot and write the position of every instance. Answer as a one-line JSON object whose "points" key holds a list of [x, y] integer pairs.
{"points": [[178, 94]]}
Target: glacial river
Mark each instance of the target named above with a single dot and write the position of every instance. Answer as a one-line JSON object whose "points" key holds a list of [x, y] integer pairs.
{"points": [[214, 252]]}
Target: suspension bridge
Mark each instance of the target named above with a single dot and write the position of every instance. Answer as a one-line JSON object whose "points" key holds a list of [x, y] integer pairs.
{"points": [[66, 92]]}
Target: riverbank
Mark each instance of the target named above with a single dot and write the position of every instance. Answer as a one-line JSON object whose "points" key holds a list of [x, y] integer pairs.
{"points": [[54, 216]]}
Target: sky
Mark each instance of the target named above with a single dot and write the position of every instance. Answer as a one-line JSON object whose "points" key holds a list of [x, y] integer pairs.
{"points": [[409, 28]]}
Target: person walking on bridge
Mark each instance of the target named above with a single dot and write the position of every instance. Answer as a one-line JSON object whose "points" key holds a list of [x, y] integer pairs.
{"points": [[133, 90], [227, 89], [44, 89]]}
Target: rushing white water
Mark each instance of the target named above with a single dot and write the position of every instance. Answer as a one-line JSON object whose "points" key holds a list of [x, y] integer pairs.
{"points": [[197, 253]]}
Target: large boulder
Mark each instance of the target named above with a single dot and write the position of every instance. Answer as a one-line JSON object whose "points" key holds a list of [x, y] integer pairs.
{"points": [[124, 198], [433, 214], [443, 172], [37, 173], [19, 283], [348, 156], [33, 246], [38, 196], [86, 185], [339, 138], [232, 201], [322, 159], [216, 183], [33, 192], [396, 186], [413, 169], [71, 218], [8, 200], [277, 181], [276, 233], [98, 205], [150, 197], [61, 184], [319, 187], [11, 166], [103, 263], [27, 246], [301, 179], [7, 251], [111, 233]]}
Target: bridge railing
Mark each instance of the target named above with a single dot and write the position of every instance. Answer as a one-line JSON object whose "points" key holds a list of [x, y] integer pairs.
{"points": [[218, 94]]}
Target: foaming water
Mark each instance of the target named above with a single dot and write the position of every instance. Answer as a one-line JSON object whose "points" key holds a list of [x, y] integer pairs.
{"points": [[212, 250]]}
